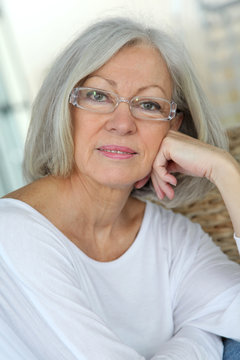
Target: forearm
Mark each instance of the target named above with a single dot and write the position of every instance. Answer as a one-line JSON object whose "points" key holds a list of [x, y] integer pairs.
{"points": [[191, 343], [227, 180]]}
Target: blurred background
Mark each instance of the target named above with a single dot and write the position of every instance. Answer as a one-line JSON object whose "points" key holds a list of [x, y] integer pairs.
{"points": [[32, 33]]}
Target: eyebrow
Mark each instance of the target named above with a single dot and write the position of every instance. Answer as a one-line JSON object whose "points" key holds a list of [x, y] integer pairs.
{"points": [[114, 84]]}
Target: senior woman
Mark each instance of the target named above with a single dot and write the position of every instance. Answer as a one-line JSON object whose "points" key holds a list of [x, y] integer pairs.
{"points": [[90, 270]]}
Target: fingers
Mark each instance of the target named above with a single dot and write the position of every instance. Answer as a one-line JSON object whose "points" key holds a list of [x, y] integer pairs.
{"points": [[162, 186], [182, 154], [161, 177], [139, 184]]}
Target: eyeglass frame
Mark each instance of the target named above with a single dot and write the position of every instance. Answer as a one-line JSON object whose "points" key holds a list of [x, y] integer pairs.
{"points": [[119, 99]]}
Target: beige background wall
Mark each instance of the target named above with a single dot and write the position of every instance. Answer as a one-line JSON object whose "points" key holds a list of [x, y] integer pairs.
{"points": [[42, 28]]}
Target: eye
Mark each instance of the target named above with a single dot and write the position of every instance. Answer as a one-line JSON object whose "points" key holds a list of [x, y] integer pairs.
{"points": [[97, 96], [149, 106]]}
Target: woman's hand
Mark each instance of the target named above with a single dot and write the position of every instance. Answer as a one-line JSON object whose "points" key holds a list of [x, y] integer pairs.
{"points": [[181, 153], [184, 154]]}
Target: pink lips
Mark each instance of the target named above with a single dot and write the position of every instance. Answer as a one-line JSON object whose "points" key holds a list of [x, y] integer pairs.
{"points": [[116, 152]]}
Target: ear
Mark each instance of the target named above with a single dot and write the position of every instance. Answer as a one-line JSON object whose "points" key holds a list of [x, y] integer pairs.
{"points": [[176, 122]]}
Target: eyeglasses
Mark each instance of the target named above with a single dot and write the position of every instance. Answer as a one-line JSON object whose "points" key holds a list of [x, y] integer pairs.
{"points": [[105, 102]]}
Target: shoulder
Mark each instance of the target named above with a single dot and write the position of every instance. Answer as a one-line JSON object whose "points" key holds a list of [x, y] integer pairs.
{"points": [[175, 232], [172, 223], [12, 214], [28, 241], [20, 221], [36, 194], [189, 251], [17, 216]]}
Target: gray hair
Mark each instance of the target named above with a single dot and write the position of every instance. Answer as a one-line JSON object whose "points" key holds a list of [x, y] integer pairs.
{"points": [[49, 143]]}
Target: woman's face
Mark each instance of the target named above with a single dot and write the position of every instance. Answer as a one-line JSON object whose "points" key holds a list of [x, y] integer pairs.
{"points": [[138, 70]]}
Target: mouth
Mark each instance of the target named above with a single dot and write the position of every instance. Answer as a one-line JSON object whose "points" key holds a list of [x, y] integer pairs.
{"points": [[117, 152]]}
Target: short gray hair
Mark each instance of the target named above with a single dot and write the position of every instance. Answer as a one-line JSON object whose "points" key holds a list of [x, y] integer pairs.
{"points": [[49, 143]]}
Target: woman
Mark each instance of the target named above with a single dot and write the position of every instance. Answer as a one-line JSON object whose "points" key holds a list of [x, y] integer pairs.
{"points": [[89, 269]]}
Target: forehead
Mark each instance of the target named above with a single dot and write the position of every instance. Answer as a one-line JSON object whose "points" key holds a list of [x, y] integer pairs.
{"points": [[140, 65]]}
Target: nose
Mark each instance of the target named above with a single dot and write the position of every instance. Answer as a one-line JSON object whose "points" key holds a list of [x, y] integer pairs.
{"points": [[121, 120]]}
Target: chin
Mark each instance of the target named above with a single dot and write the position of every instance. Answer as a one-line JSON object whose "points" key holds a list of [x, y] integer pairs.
{"points": [[116, 177], [116, 182]]}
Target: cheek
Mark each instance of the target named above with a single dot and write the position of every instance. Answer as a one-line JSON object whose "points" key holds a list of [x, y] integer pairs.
{"points": [[153, 139], [85, 129], [83, 138]]}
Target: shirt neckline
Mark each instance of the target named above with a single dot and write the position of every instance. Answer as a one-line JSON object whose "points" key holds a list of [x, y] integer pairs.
{"points": [[76, 250]]}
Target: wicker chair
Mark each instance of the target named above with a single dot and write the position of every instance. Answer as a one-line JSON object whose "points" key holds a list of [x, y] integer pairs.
{"points": [[210, 212]]}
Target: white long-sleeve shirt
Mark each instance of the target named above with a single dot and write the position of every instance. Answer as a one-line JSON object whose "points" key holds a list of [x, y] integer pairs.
{"points": [[170, 296]]}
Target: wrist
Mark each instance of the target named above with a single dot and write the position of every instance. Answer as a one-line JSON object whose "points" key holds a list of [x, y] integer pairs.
{"points": [[226, 172]]}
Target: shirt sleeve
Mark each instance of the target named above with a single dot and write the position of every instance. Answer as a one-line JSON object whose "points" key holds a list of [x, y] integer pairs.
{"points": [[191, 343], [205, 292], [44, 314]]}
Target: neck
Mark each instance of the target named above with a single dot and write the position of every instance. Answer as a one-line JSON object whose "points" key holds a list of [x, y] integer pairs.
{"points": [[99, 219], [93, 206]]}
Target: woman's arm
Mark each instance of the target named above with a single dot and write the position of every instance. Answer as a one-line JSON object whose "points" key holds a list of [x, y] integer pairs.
{"points": [[227, 179], [181, 153], [205, 293], [191, 343]]}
